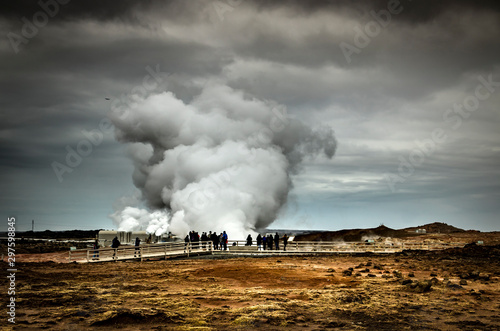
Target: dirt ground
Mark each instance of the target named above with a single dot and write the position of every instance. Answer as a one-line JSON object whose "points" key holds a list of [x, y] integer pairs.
{"points": [[456, 289]]}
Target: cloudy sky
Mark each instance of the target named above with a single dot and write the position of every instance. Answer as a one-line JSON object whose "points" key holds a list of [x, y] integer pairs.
{"points": [[411, 90]]}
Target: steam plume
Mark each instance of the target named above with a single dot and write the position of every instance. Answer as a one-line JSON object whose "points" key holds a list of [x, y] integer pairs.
{"points": [[221, 162]]}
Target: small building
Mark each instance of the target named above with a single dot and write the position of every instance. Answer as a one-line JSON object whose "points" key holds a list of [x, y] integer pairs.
{"points": [[421, 230]]}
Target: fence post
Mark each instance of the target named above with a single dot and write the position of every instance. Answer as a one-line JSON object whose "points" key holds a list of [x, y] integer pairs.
{"points": [[88, 255]]}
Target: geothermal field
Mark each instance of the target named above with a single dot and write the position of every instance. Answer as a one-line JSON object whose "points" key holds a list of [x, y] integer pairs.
{"points": [[160, 124], [450, 289]]}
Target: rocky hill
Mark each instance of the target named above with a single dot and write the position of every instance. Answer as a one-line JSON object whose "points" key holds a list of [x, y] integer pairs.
{"points": [[353, 234], [381, 231], [436, 227]]}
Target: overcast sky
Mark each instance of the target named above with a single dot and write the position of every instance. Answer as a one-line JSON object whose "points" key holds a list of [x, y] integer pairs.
{"points": [[411, 90]]}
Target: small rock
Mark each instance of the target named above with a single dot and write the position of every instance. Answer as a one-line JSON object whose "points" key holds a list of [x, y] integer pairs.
{"points": [[452, 286], [433, 274], [411, 274], [347, 273], [406, 281], [330, 270], [484, 277], [463, 282], [423, 286], [474, 274]]}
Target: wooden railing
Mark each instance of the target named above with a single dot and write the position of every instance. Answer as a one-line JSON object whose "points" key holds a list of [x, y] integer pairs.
{"points": [[141, 252], [355, 247], [239, 246]]}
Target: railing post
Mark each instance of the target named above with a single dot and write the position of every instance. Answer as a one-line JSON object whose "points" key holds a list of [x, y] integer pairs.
{"points": [[88, 255]]}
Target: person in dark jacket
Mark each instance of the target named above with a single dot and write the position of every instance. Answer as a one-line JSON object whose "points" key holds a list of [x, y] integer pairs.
{"points": [[270, 242], [285, 241], [264, 242], [115, 244], [186, 242], [224, 240], [277, 241], [96, 249], [137, 249], [204, 239], [259, 242], [215, 240], [249, 241]]}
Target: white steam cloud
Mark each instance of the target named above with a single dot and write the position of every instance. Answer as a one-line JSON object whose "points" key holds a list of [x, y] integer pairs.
{"points": [[220, 163]]}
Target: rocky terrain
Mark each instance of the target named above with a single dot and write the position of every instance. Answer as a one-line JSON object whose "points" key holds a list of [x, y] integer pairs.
{"points": [[455, 289], [433, 231]]}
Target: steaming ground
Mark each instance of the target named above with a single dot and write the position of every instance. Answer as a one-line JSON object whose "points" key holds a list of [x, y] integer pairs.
{"points": [[221, 162]]}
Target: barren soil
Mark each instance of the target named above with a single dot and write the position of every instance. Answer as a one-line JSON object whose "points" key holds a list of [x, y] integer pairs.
{"points": [[268, 293]]}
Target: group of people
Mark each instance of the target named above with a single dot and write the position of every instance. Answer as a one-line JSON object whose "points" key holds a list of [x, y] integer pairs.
{"points": [[115, 243], [219, 241], [266, 242]]}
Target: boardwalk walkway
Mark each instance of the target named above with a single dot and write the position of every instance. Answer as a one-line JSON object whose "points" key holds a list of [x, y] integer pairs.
{"points": [[180, 249]]}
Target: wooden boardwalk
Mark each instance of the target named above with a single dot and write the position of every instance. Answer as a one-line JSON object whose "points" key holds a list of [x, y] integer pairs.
{"points": [[181, 249]]}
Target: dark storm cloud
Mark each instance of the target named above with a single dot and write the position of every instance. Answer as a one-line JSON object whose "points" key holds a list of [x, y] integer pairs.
{"points": [[418, 11], [92, 9], [129, 10]]}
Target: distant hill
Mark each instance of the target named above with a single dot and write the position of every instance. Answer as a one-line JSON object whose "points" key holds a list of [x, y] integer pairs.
{"points": [[47, 234], [352, 234], [436, 227], [381, 231]]}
